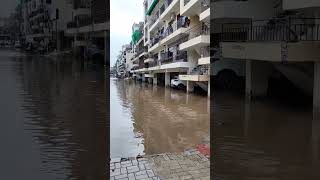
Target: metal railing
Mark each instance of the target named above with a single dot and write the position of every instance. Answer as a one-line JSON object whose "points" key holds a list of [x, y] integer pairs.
{"points": [[84, 21], [186, 2], [205, 4], [153, 63], [160, 8], [200, 70], [71, 24], [169, 30], [203, 29], [171, 57], [205, 51], [272, 31]]}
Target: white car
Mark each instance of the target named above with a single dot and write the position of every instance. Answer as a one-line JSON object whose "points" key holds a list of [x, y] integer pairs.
{"points": [[17, 44], [177, 83]]}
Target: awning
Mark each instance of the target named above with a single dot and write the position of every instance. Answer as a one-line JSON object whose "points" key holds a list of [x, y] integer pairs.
{"points": [[136, 36], [153, 4]]}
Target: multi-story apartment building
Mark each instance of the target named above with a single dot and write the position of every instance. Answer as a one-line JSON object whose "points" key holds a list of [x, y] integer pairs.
{"points": [[44, 22], [128, 54], [89, 24], [267, 37], [176, 39]]}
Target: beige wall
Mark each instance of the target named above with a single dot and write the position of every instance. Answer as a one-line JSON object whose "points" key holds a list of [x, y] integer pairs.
{"points": [[304, 51], [255, 9], [299, 4], [267, 51]]}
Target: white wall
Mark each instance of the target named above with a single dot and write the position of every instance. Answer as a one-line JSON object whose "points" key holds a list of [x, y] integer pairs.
{"points": [[65, 12], [299, 4]]}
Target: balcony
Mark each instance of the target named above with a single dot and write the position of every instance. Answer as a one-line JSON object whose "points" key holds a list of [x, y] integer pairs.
{"points": [[148, 60], [178, 61], [197, 78], [273, 42], [171, 6], [199, 74], [298, 4], [135, 66], [193, 7], [205, 16], [231, 9], [197, 38], [169, 57], [174, 32], [205, 56], [71, 25], [82, 11]]}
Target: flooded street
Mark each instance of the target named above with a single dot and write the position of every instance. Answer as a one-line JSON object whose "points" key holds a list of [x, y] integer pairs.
{"points": [[147, 119], [53, 119], [264, 139]]}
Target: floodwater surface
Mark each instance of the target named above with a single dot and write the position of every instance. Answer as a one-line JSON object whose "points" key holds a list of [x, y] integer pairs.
{"points": [[265, 139], [147, 119], [53, 119]]}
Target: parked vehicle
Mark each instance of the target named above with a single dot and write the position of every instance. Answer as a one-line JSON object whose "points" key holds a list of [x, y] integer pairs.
{"points": [[95, 54], [17, 45], [176, 83]]}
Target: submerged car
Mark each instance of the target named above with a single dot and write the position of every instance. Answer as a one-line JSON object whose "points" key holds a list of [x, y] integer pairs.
{"points": [[176, 83], [95, 54], [17, 45]]}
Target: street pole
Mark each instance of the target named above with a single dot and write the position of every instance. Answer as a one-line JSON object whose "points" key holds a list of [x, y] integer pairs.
{"points": [[57, 35]]}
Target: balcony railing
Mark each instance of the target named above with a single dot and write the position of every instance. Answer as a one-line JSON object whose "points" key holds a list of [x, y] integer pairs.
{"points": [[186, 2], [205, 51], [140, 51], [203, 29], [153, 63], [182, 22], [205, 4], [71, 24], [169, 57], [272, 31], [159, 11], [84, 21]]}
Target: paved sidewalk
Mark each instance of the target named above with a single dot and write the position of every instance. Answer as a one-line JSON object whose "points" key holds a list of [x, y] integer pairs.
{"points": [[188, 165]]}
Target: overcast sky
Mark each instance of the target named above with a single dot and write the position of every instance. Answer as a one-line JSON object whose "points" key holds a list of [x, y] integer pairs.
{"points": [[7, 7], [122, 16]]}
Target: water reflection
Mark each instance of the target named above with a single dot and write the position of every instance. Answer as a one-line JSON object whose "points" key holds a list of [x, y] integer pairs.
{"points": [[154, 119], [61, 106], [264, 139]]}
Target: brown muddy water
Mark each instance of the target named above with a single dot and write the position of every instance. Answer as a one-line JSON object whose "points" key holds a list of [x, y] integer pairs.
{"points": [[265, 139], [53, 119], [147, 119]]}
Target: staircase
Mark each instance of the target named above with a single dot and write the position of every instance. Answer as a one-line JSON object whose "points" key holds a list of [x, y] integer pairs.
{"points": [[301, 75], [201, 70]]}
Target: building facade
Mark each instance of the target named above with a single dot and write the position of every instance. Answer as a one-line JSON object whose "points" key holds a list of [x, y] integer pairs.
{"points": [[44, 23], [267, 37], [175, 43]]}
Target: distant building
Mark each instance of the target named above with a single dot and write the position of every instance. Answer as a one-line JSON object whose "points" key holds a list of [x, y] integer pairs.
{"points": [[40, 24], [89, 25]]}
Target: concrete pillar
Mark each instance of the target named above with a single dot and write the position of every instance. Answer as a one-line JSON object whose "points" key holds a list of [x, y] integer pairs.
{"points": [[74, 43], [150, 80], [143, 79], [155, 81], [167, 79], [59, 40], [316, 87], [209, 88], [257, 74], [190, 86], [106, 47], [315, 139]]}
